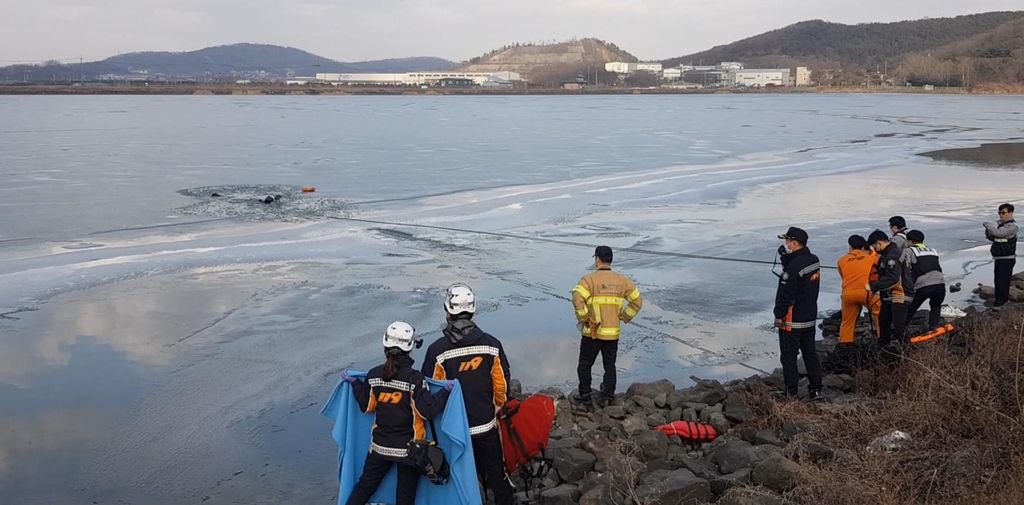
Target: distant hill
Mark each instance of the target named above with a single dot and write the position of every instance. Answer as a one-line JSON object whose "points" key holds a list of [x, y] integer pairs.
{"points": [[237, 60], [550, 63]]}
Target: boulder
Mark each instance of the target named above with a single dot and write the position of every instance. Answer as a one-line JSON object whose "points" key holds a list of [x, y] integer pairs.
{"points": [[689, 415], [653, 445], [722, 483], [695, 406], [749, 496], [558, 433], [650, 389], [737, 412], [600, 495], [708, 392], [718, 407], [719, 422], [515, 388], [814, 452], [674, 415], [633, 425], [615, 412], [655, 420], [1016, 294], [777, 473], [768, 437], [595, 442], [566, 494], [661, 401], [572, 463], [700, 467], [664, 487], [645, 405], [663, 464], [793, 427], [552, 392], [733, 455], [620, 470], [985, 292], [564, 443], [763, 452]]}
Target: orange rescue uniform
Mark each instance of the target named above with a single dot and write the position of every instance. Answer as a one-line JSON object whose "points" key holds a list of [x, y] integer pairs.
{"points": [[856, 270]]}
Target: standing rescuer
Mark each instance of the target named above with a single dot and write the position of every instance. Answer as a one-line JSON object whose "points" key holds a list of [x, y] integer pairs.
{"points": [[894, 285], [929, 283], [599, 299], [400, 397], [1003, 235], [796, 311], [855, 270], [478, 361]]}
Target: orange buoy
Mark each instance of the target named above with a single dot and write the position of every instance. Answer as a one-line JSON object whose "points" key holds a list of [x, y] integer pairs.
{"points": [[309, 189], [932, 334]]}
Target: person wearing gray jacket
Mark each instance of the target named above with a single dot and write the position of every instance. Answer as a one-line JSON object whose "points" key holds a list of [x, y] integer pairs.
{"points": [[929, 283], [1003, 235]]}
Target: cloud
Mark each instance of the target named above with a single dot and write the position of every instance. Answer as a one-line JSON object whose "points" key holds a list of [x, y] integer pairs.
{"points": [[456, 29]]}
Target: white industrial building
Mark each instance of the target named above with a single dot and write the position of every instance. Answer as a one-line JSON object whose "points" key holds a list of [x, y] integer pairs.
{"points": [[654, 68], [415, 78], [803, 76], [672, 74], [621, 67], [758, 77]]}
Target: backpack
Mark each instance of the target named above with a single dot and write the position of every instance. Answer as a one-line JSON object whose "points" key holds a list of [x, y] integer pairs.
{"points": [[687, 430], [525, 426], [428, 457]]}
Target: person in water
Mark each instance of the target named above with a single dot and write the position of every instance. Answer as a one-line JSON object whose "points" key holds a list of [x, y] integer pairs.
{"points": [[400, 397]]}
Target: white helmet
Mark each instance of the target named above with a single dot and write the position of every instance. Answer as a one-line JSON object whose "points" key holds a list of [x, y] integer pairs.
{"points": [[400, 335], [460, 299]]}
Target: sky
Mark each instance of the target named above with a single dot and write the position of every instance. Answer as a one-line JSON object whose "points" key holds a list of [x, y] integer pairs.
{"points": [[356, 30]]}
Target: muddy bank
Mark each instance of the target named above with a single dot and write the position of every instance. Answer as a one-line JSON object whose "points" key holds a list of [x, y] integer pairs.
{"points": [[1003, 155]]}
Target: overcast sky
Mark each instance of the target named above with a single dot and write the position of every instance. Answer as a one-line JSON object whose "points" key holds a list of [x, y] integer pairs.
{"points": [[351, 30]]}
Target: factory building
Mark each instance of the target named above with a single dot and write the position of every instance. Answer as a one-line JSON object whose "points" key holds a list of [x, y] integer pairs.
{"points": [[417, 78], [758, 77]]}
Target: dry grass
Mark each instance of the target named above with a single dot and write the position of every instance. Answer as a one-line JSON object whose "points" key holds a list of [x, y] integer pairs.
{"points": [[961, 402]]}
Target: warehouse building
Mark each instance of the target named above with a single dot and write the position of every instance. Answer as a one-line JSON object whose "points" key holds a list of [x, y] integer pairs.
{"points": [[415, 78], [758, 77]]}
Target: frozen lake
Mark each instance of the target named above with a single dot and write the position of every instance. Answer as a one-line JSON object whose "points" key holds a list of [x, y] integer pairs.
{"points": [[156, 340]]}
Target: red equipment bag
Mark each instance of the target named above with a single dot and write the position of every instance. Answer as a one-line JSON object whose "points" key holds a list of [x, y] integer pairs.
{"points": [[689, 430], [525, 427]]}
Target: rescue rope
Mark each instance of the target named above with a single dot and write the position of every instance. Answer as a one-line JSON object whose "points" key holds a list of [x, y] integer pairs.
{"points": [[559, 242]]}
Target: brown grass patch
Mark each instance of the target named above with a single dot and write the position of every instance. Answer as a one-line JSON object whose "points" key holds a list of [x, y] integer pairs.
{"points": [[962, 402]]}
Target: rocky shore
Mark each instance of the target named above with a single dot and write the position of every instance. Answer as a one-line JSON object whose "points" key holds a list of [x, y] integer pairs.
{"points": [[765, 449]]}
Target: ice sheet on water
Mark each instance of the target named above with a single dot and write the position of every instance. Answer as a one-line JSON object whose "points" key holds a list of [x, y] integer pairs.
{"points": [[248, 202]]}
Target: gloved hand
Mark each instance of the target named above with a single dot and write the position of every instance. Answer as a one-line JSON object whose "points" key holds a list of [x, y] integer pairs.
{"points": [[347, 378], [782, 250], [986, 224], [449, 386]]}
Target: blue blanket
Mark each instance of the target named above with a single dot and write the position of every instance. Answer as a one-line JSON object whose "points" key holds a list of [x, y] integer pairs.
{"points": [[352, 429]]}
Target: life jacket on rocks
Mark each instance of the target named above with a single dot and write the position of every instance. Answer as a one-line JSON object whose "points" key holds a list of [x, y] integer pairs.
{"points": [[525, 427], [689, 430]]}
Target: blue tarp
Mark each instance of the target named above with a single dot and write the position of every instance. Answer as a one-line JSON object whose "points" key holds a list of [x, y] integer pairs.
{"points": [[352, 430]]}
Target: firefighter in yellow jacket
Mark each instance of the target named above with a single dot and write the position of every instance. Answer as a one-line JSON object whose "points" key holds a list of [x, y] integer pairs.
{"points": [[603, 301]]}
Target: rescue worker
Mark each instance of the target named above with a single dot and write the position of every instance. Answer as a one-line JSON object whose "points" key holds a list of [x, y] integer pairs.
{"points": [[1003, 236], [894, 285], [855, 270], [400, 397], [796, 311], [477, 360], [603, 300], [929, 283], [898, 227]]}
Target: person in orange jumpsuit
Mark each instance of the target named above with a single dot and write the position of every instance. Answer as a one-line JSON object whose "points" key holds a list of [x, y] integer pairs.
{"points": [[855, 268]]}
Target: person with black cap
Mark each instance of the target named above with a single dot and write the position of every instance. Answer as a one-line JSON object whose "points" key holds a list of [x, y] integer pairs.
{"points": [[796, 311], [929, 283], [1003, 235], [894, 284], [898, 227], [603, 299]]}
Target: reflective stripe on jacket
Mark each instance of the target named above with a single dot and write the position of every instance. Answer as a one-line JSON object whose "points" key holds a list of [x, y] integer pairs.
{"points": [[602, 300]]}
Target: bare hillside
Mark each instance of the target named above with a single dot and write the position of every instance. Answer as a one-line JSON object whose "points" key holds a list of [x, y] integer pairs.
{"points": [[533, 61]]}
